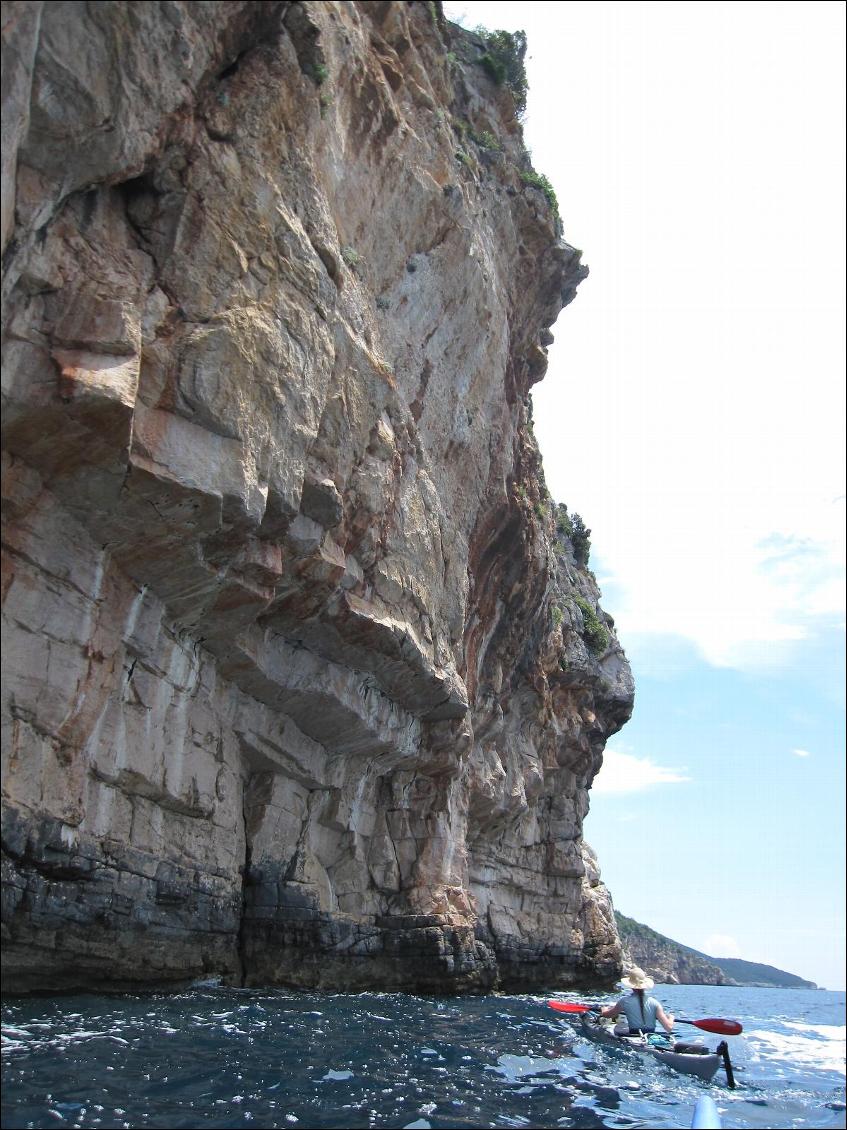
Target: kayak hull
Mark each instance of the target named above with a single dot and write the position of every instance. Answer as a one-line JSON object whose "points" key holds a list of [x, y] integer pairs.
{"points": [[703, 1066], [706, 1116]]}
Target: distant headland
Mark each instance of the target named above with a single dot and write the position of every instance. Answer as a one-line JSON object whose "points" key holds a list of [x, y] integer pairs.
{"points": [[672, 963]]}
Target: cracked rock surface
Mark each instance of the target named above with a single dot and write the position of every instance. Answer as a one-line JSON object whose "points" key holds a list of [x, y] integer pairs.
{"points": [[301, 684]]}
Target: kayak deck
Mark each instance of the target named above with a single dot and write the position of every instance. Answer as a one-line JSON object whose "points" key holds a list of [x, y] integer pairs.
{"points": [[706, 1115], [702, 1064]]}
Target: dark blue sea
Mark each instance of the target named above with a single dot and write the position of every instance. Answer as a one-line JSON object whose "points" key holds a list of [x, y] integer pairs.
{"points": [[215, 1057]]}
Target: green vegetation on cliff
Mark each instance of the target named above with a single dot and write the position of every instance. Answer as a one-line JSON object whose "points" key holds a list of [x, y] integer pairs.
{"points": [[595, 634], [504, 61]]}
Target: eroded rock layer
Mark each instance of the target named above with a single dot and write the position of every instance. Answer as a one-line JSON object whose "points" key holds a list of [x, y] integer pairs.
{"points": [[303, 685]]}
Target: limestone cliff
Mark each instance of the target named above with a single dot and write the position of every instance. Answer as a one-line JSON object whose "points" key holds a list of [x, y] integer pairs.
{"points": [[303, 684]]}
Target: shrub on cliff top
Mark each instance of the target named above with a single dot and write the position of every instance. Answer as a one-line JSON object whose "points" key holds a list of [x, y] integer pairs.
{"points": [[595, 634], [570, 527], [539, 181], [580, 539], [564, 526], [504, 61]]}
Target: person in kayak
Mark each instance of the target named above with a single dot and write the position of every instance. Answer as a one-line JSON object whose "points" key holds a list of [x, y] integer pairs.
{"points": [[641, 1011]]}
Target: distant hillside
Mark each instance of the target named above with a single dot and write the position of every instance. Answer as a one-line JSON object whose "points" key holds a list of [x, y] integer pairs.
{"points": [[752, 973], [664, 959], [671, 963]]}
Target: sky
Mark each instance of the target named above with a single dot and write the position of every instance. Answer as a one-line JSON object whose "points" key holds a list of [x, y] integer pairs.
{"points": [[693, 414]]}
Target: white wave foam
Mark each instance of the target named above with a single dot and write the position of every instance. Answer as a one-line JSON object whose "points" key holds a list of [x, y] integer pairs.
{"points": [[825, 1051], [515, 1067], [10, 1045], [827, 1031]]}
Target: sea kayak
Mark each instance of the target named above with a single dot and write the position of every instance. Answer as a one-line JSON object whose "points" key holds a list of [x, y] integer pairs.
{"points": [[689, 1058]]}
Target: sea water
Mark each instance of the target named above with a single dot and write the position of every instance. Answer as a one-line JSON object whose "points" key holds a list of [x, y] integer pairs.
{"points": [[216, 1057]]}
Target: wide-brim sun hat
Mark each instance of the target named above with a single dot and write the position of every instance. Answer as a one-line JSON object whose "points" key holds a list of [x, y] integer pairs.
{"points": [[637, 979]]}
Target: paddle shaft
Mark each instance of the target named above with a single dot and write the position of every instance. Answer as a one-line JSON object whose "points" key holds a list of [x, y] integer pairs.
{"points": [[707, 1024], [723, 1051]]}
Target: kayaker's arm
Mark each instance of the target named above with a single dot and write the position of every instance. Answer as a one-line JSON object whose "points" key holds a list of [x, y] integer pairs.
{"points": [[665, 1019], [611, 1010]]}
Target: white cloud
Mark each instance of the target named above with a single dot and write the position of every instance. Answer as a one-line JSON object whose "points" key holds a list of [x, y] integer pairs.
{"points": [[743, 569], [801, 753], [625, 773], [714, 567], [721, 945]]}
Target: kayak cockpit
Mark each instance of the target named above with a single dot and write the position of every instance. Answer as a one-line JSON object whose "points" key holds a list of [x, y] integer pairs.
{"points": [[685, 1056]]}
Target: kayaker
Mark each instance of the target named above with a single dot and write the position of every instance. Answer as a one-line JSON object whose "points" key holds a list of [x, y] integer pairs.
{"points": [[641, 1011]]}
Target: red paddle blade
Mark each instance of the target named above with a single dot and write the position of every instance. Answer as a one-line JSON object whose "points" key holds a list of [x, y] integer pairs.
{"points": [[715, 1024], [566, 1006]]}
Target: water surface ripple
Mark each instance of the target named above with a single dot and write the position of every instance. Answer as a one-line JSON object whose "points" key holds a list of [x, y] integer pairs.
{"points": [[215, 1057]]}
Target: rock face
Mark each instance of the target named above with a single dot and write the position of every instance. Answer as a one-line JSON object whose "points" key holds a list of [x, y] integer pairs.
{"points": [[302, 684]]}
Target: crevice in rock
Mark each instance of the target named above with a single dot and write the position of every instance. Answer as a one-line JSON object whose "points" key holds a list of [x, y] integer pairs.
{"points": [[152, 215], [241, 946], [230, 70], [329, 261], [64, 869], [305, 36], [9, 254]]}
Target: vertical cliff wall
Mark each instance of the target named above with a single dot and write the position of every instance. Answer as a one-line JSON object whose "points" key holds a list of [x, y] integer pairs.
{"points": [[303, 682]]}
